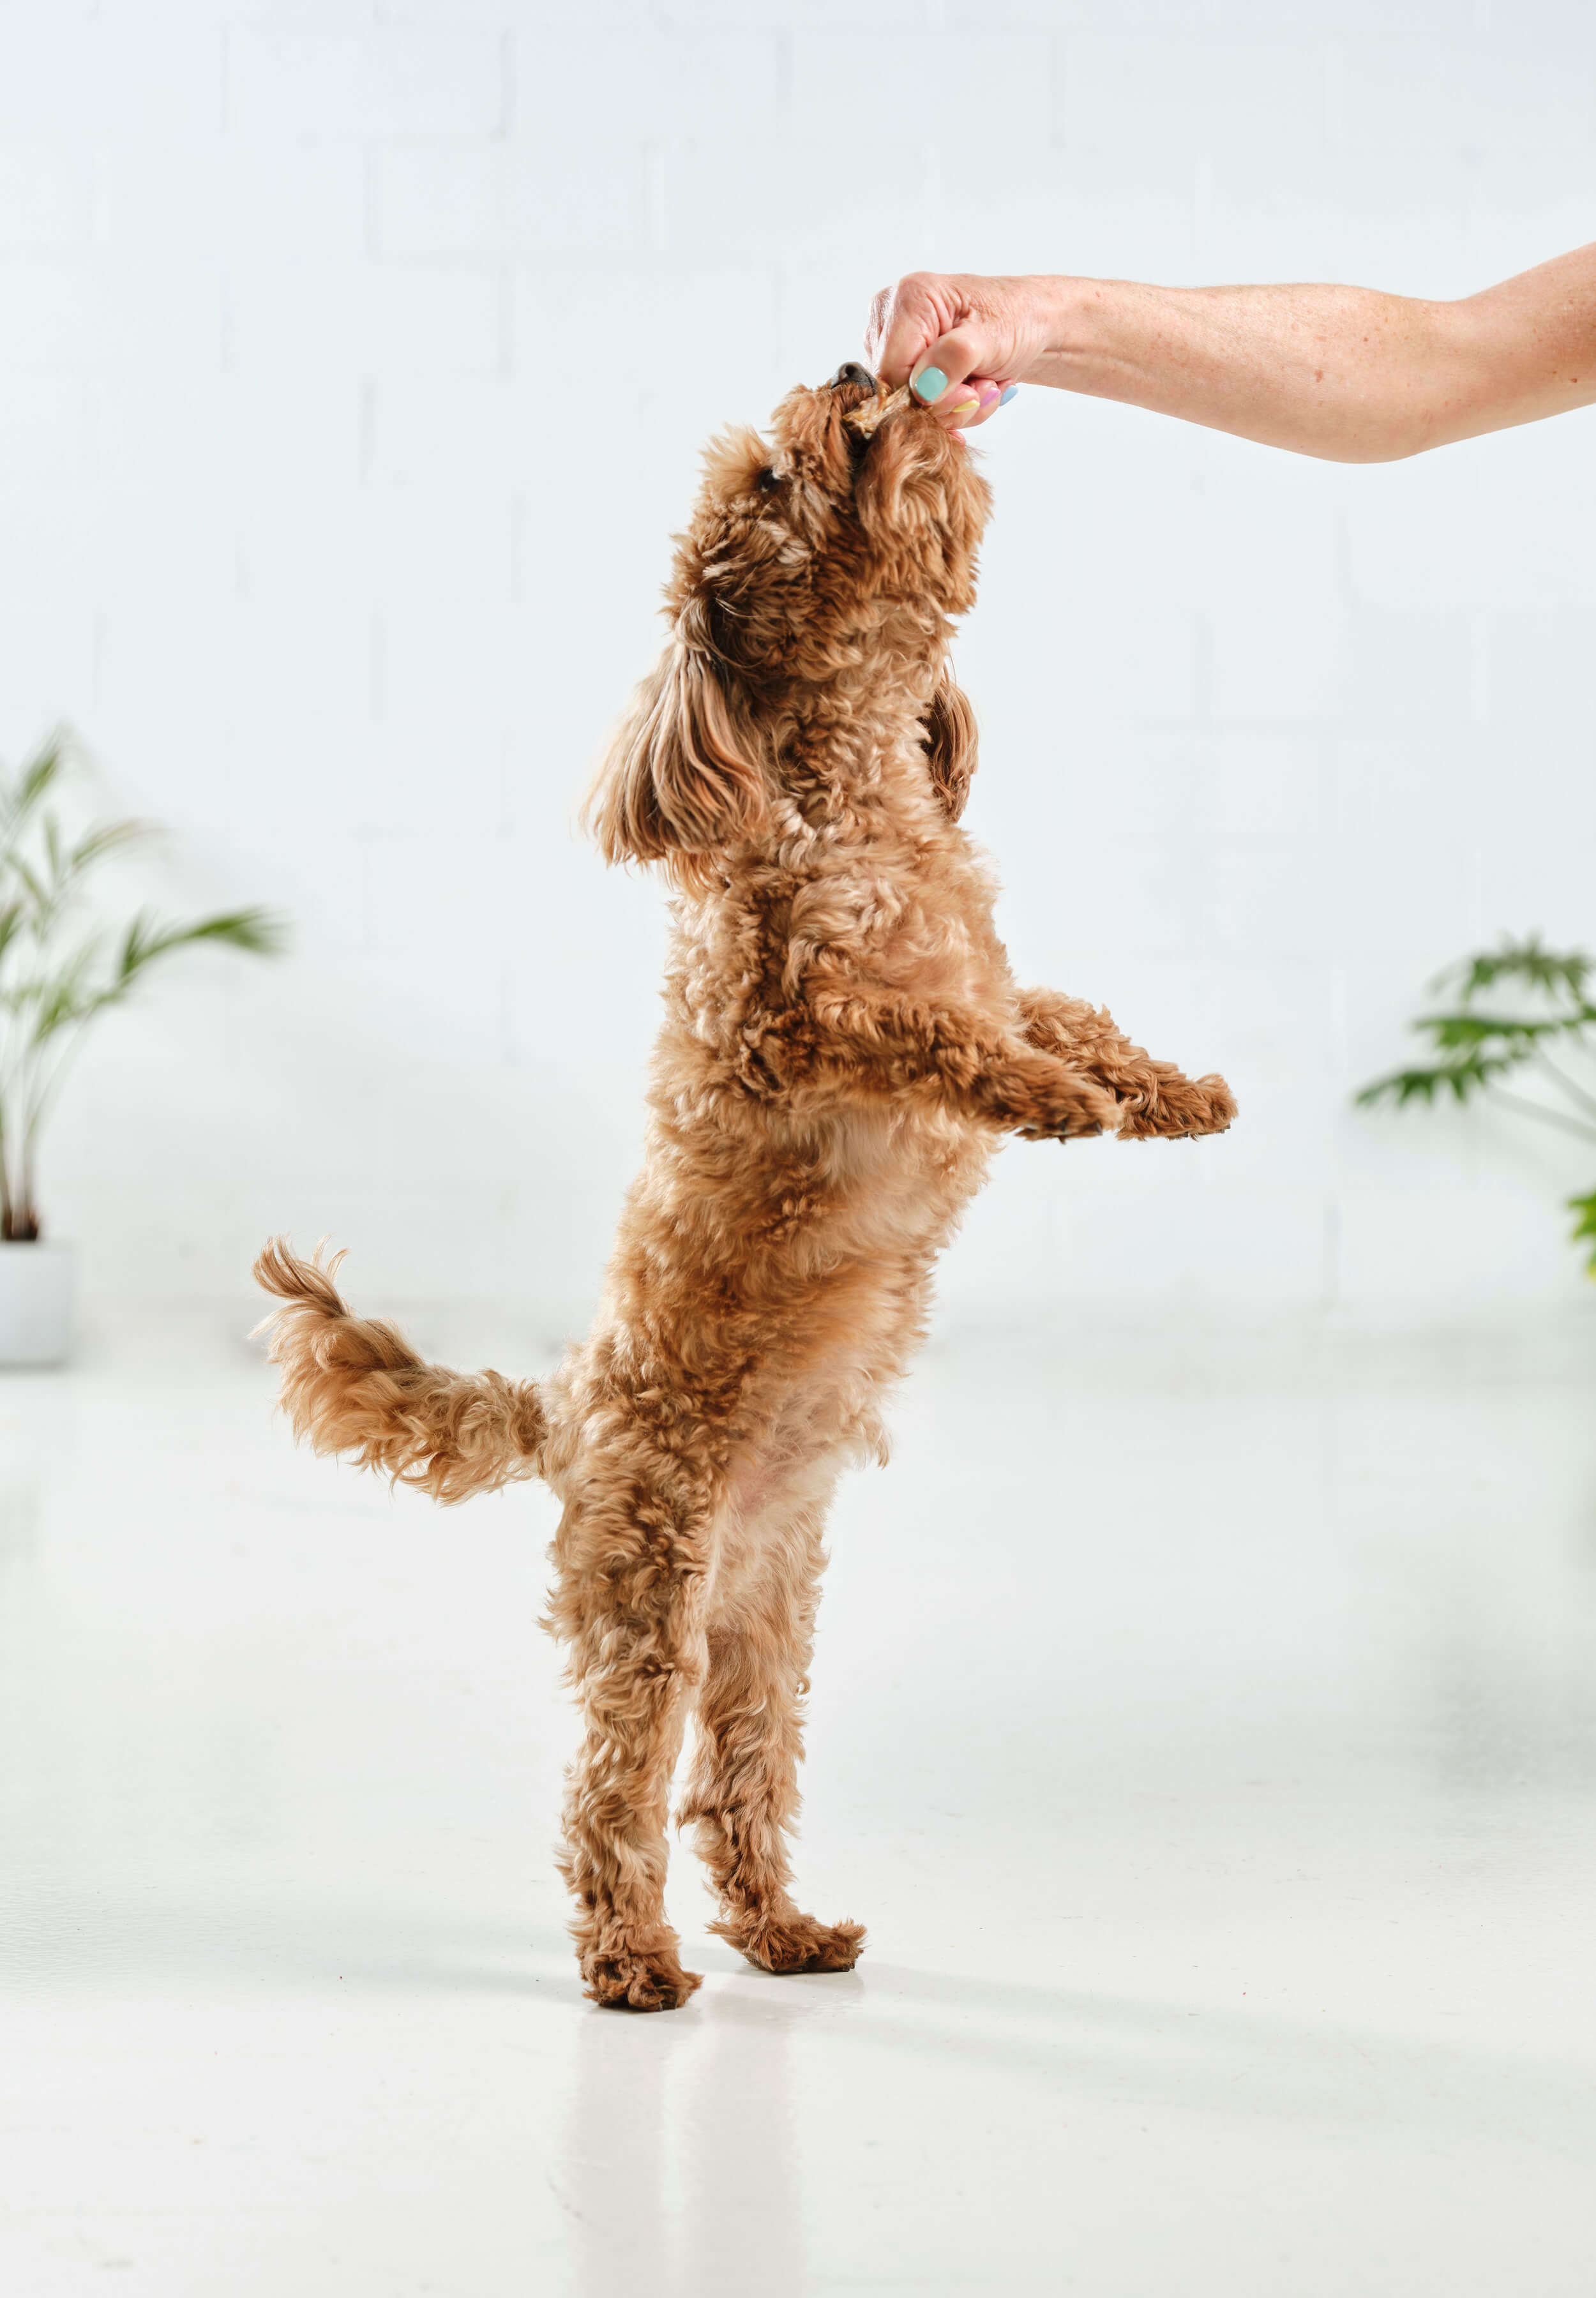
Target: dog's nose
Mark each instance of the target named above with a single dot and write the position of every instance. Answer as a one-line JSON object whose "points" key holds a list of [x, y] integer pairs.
{"points": [[850, 371]]}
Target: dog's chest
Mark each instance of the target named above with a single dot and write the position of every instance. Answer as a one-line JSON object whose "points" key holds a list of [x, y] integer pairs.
{"points": [[900, 1178]]}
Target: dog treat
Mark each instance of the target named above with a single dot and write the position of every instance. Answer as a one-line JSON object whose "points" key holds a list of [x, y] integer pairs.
{"points": [[869, 417], [844, 1048]]}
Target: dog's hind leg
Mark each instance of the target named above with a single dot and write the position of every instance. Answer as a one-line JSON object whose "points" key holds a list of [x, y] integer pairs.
{"points": [[628, 1600], [742, 1795]]}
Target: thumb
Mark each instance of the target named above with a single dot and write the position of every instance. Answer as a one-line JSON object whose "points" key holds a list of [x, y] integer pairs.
{"points": [[961, 357]]}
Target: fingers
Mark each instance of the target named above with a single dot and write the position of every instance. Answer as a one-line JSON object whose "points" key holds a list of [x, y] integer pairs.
{"points": [[923, 331], [904, 318], [978, 401], [944, 374]]}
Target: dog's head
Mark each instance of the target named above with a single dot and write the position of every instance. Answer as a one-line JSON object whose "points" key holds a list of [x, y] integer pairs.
{"points": [[853, 527]]}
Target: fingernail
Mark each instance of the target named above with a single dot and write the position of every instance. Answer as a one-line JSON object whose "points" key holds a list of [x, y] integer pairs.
{"points": [[967, 406], [1012, 393], [930, 383]]}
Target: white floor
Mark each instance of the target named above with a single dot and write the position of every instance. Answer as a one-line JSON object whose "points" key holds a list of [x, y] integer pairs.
{"points": [[1206, 1728]]}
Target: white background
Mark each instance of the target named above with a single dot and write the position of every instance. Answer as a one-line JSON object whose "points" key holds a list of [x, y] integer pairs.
{"points": [[355, 358]]}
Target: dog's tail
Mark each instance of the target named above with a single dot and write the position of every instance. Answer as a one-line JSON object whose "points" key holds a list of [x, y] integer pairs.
{"points": [[352, 1384]]}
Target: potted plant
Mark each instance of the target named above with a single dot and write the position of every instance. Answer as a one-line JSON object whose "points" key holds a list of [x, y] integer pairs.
{"points": [[58, 972], [1476, 1047]]}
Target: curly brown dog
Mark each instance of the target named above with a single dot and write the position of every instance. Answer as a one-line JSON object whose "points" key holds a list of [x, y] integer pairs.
{"points": [[843, 1049]]}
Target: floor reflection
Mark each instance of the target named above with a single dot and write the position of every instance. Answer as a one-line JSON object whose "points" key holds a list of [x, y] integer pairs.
{"points": [[681, 2164]]}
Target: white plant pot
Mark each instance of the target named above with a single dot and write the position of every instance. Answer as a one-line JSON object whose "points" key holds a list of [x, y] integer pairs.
{"points": [[38, 1286]]}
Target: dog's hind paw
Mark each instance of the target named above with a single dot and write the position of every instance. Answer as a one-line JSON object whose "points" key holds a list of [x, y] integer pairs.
{"points": [[790, 1943], [639, 1980]]}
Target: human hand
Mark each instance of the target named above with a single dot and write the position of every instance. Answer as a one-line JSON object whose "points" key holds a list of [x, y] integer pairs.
{"points": [[979, 336]]}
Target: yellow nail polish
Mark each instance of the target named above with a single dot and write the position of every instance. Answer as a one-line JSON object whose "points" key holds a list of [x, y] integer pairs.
{"points": [[966, 406]]}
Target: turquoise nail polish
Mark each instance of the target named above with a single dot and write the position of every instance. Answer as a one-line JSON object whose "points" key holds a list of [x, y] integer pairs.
{"points": [[1012, 393], [930, 384]]}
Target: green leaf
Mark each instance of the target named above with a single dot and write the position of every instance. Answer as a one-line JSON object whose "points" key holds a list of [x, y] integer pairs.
{"points": [[258, 931], [1585, 1225], [1554, 972], [135, 942], [40, 897], [36, 780], [1451, 1031], [254, 930], [103, 840], [1461, 1077], [66, 997]]}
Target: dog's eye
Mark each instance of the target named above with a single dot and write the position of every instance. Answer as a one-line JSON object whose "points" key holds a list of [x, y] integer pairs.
{"points": [[766, 481]]}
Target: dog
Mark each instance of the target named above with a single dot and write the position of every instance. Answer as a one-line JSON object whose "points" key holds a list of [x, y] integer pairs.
{"points": [[843, 1049]]}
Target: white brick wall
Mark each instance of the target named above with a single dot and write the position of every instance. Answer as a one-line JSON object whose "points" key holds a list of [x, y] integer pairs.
{"points": [[355, 359]]}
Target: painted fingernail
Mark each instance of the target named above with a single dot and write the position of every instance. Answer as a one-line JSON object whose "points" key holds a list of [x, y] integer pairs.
{"points": [[930, 383], [966, 406], [1012, 393]]}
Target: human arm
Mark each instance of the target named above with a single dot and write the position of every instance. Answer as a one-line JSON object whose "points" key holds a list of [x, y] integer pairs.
{"points": [[1347, 373]]}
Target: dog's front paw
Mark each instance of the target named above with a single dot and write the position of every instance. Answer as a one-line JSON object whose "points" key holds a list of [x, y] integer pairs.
{"points": [[1069, 1108], [1180, 1109], [639, 1979], [789, 1943]]}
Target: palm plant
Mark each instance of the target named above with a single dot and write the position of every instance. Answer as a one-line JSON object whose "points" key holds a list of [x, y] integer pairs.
{"points": [[1476, 1047], [57, 977]]}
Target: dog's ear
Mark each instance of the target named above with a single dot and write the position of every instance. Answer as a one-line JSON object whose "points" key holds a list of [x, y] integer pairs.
{"points": [[686, 772], [950, 745]]}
